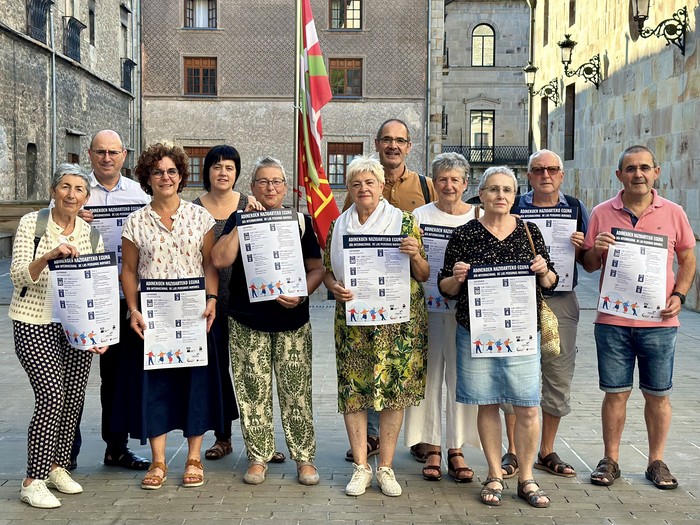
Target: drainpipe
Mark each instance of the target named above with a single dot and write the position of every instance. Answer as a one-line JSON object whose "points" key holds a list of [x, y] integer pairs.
{"points": [[427, 91], [54, 147]]}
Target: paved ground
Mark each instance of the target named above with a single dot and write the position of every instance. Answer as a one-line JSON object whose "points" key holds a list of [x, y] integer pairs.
{"points": [[113, 496]]}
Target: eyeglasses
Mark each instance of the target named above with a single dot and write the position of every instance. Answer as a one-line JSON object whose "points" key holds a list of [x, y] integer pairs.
{"points": [[386, 141], [552, 170], [104, 152], [644, 168], [172, 172], [507, 190], [263, 183]]}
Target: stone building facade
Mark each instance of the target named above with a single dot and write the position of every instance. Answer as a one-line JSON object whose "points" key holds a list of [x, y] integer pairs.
{"points": [[649, 94], [67, 69], [223, 72], [482, 94]]}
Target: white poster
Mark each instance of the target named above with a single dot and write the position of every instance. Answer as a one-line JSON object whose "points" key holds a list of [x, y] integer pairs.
{"points": [[378, 275], [502, 310], [435, 239], [271, 250], [109, 221], [176, 332], [86, 299], [634, 278], [557, 226]]}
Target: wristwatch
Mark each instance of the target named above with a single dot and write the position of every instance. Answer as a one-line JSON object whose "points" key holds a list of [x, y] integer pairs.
{"points": [[680, 296]]}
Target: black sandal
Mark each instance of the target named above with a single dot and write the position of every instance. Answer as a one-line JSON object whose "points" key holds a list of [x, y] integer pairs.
{"points": [[509, 465], [605, 473], [494, 493], [533, 496], [454, 472], [428, 468], [372, 449]]}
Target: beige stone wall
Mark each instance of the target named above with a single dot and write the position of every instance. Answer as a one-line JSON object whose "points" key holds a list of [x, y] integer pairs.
{"points": [[649, 95]]}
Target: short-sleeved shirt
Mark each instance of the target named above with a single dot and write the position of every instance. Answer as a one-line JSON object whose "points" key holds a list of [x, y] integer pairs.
{"points": [[525, 202], [126, 191], [268, 316], [662, 217], [169, 254]]}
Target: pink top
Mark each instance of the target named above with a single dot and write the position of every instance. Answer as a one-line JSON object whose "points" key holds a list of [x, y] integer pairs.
{"points": [[663, 217]]}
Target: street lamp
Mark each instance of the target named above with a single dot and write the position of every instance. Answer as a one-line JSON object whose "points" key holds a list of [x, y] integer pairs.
{"points": [[549, 91], [672, 29], [589, 71]]}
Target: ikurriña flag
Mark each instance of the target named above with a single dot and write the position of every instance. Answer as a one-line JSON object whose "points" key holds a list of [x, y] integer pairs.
{"points": [[314, 93]]}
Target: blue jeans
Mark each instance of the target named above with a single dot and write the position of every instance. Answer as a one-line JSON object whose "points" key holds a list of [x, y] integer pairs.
{"points": [[618, 347]]}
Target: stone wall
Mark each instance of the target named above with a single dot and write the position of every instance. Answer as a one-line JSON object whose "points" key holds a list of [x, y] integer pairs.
{"points": [[649, 95]]}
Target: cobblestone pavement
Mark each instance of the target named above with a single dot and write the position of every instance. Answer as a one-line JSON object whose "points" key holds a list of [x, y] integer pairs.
{"points": [[113, 496]]}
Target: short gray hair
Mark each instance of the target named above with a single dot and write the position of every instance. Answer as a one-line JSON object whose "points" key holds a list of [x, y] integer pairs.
{"points": [[635, 149], [364, 164], [449, 161], [495, 170], [267, 162], [70, 169], [538, 154]]}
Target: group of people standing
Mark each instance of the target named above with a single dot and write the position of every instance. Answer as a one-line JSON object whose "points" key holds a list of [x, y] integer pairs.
{"points": [[385, 372]]}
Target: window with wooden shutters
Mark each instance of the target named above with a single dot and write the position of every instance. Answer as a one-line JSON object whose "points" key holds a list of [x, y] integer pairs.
{"points": [[340, 154], [200, 76], [196, 155], [346, 77]]}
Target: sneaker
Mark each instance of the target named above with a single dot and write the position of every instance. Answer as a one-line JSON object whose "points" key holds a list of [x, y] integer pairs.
{"points": [[361, 479], [38, 495], [387, 482], [60, 479]]}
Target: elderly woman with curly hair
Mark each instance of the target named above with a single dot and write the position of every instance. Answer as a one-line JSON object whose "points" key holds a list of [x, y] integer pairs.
{"points": [[171, 239]]}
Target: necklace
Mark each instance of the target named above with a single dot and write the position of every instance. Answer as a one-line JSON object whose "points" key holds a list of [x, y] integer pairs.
{"points": [[167, 212]]}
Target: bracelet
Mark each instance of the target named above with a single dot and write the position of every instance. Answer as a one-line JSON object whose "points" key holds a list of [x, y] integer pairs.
{"points": [[680, 296], [131, 312], [212, 296], [544, 274]]}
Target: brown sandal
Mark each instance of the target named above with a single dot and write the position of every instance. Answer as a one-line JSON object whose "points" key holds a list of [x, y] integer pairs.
{"points": [[455, 472], [191, 480], [154, 481], [219, 449], [434, 468], [533, 496], [658, 473]]}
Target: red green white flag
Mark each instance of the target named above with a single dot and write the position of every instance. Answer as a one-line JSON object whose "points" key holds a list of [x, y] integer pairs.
{"points": [[314, 93]]}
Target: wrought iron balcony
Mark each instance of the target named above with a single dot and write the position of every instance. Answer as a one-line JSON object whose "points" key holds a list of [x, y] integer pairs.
{"points": [[37, 11], [495, 155], [72, 27]]}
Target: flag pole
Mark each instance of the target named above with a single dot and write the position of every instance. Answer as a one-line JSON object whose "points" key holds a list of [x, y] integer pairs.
{"points": [[297, 78]]}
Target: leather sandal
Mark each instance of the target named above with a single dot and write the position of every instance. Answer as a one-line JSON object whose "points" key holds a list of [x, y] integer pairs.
{"points": [[605, 473], [372, 449], [509, 465], [421, 451], [533, 496], [494, 495], [455, 472], [192, 479], [277, 457], [658, 473], [553, 464], [434, 468], [154, 481], [219, 449]]}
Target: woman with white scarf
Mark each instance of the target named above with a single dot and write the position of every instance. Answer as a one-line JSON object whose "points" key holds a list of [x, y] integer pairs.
{"points": [[378, 366]]}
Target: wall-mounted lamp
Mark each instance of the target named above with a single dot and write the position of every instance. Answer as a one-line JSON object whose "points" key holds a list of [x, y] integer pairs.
{"points": [[590, 71], [672, 29], [550, 91]]}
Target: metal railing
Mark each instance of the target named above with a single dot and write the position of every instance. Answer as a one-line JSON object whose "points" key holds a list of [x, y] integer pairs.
{"points": [[494, 155], [72, 27]]}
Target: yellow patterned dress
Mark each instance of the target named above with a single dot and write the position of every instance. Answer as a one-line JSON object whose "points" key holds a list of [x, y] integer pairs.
{"points": [[382, 366]]}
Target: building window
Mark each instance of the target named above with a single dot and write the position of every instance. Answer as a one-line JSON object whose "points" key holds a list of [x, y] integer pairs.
{"points": [[37, 11], [124, 18], [444, 122], [200, 76], [346, 14], [200, 13], [127, 68], [72, 27], [545, 23], [339, 156], [569, 121], [481, 122], [196, 155], [346, 77], [544, 122], [483, 46], [572, 12], [91, 21]]}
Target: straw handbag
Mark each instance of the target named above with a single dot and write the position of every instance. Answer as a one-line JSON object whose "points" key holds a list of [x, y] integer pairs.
{"points": [[549, 325]]}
